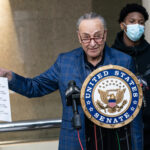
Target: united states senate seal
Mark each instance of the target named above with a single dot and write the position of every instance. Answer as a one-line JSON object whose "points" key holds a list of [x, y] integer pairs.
{"points": [[111, 96]]}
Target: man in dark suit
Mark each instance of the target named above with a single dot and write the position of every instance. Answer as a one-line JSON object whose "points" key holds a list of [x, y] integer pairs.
{"points": [[76, 65]]}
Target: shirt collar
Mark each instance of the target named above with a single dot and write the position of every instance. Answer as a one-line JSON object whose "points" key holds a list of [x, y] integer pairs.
{"points": [[92, 67]]}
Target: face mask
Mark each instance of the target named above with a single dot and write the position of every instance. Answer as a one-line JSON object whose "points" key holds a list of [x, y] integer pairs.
{"points": [[134, 31]]}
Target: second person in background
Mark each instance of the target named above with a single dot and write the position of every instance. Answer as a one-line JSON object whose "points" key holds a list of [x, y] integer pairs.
{"points": [[131, 41]]}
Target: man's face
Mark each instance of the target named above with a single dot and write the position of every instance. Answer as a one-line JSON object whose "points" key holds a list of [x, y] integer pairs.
{"points": [[92, 37], [132, 18]]}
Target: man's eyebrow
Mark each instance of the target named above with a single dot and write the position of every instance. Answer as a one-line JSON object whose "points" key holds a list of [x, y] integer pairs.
{"points": [[97, 32], [85, 34], [141, 18]]}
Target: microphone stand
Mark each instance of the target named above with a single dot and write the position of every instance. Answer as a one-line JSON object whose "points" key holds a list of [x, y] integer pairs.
{"points": [[73, 97], [76, 121]]}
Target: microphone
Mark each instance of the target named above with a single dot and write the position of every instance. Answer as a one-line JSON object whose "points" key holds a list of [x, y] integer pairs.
{"points": [[72, 96], [143, 83], [144, 86]]}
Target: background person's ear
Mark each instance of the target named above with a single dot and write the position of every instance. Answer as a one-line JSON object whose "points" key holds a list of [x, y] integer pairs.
{"points": [[122, 26]]}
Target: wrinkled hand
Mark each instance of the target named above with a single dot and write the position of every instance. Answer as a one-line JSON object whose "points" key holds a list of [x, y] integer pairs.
{"points": [[6, 73]]}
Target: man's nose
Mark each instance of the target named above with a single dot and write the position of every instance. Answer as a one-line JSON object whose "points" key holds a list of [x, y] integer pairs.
{"points": [[92, 42]]}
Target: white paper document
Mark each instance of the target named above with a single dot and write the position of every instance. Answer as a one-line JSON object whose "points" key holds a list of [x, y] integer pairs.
{"points": [[5, 110]]}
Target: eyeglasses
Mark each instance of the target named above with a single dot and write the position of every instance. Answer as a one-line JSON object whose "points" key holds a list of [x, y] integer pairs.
{"points": [[97, 39]]}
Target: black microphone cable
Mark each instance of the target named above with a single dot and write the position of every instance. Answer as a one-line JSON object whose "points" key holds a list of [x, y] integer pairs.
{"points": [[126, 132], [100, 131]]}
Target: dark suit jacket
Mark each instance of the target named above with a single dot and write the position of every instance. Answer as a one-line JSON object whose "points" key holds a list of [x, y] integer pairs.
{"points": [[68, 66]]}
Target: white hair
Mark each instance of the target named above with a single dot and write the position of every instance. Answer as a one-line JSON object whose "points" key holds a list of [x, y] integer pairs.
{"points": [[91, 15]]}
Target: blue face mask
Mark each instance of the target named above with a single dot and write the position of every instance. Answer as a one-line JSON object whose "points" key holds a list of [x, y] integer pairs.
{"points": [[134, 31]]}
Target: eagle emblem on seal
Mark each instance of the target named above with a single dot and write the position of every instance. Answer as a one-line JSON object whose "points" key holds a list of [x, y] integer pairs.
{"points": [[111, 101]]}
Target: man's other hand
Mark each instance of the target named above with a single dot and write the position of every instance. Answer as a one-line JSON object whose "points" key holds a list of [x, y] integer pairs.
{"points": [[6, 73]]}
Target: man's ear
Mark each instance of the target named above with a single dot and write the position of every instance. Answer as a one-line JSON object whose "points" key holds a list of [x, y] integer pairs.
{"points": [[105, 35], [122, 26], [79, 38]]}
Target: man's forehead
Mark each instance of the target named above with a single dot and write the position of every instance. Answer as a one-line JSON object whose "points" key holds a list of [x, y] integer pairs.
{"points": [[134, 15], [91, 25]]}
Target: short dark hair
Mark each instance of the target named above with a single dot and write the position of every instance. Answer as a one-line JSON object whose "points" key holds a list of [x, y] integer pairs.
{"points": [[132, 8]]}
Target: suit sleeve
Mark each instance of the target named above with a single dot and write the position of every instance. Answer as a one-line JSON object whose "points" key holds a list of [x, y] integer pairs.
{"points": [[41, 85]]}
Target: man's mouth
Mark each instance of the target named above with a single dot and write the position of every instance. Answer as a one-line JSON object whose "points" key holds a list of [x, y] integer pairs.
{"points": [[93, 49]]}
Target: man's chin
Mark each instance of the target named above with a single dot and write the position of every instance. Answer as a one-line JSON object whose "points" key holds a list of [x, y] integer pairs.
{"points": [[94, 56], [94, 53]]}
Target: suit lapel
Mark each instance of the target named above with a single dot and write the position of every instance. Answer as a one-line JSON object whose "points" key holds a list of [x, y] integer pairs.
{"points": [[80, 65], [107, 56]]}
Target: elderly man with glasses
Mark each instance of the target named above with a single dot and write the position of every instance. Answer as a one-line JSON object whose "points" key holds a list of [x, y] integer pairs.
{"points": [[77, 65]]}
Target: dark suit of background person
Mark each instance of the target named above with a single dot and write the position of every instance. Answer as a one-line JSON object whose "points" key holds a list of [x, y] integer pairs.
{"points": [[139, 49], [73, 66]]}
